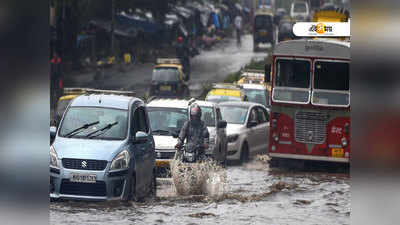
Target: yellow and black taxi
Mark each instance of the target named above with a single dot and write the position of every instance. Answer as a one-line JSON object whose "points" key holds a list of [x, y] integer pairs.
{"points": [[168, 79], [225, 92]]}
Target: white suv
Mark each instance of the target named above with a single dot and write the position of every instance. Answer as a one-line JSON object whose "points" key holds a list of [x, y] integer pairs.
{"points": [[167, 117]]}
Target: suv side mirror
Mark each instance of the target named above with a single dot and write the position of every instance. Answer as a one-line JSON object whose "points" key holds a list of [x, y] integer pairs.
{"points": [[252, 123], [222, 124], [141, 137], [53, 132], [267, 73]]}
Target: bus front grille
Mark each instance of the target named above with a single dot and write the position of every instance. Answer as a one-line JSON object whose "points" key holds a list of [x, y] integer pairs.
{"points": [[310, 127]]}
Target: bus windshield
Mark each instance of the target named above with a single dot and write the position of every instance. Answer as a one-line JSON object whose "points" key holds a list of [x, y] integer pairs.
{"points": [[331, 83], [292, 81]]}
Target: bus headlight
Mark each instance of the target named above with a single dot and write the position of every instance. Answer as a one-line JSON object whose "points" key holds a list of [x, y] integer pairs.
{"points": [[275, 137], [344, 142]]}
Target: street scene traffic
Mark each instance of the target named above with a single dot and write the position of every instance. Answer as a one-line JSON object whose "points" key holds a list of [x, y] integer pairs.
{"points": [[198, 112]]}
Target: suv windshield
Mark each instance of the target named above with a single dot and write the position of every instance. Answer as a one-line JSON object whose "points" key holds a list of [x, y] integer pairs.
{"points": [[292, 81], [234, 114], [262, 22], [62, 106], [331, 83], [77, 117], [165, 74], [257, 96], [207, 115], [167, 119]]}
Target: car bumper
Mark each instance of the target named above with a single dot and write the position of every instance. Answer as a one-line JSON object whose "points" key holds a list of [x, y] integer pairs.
{"points": [[108, 186], [233, 151]]}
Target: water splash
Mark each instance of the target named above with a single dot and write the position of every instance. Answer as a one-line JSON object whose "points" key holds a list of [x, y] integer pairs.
{"points": [[202, 178]]}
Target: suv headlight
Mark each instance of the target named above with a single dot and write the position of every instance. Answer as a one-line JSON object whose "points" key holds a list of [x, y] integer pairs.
{"points": [[233, 137], [53, 157], [121, 161]]}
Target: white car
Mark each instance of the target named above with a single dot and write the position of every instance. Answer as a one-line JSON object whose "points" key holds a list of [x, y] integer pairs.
{"points": [[211, 115], [247, 129], [166, 116], [300, 10]]}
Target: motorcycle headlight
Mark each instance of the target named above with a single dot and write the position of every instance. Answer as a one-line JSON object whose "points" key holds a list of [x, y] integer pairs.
{"points": [[233, 137], [213, 141], [121, 161], [53, 157]]}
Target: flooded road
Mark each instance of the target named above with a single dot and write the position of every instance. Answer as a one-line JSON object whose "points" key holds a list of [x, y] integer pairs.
{"points": [[255, 194]]}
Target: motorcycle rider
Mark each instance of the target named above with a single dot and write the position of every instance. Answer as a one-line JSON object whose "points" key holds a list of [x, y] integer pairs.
{"points": [[194, 131]]}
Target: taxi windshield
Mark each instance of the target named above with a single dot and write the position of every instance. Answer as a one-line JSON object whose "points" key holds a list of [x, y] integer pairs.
{"points": [[257, 96], [77, 117], [300, 7], [262, 21], [165, 74], [222, 98]]}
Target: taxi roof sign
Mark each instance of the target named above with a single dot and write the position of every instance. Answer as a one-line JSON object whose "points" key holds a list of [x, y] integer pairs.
{"points": [[168, 61]]}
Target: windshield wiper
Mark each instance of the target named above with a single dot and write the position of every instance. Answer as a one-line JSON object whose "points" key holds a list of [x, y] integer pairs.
{"points": [[105, 129], [84, 127], [161, 131]]}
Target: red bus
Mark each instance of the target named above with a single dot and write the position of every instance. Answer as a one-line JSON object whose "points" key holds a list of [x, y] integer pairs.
{"points": [[310, 100]]}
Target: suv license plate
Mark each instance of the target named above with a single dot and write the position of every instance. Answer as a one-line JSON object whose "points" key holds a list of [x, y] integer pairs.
{"points": [[83, 178]]}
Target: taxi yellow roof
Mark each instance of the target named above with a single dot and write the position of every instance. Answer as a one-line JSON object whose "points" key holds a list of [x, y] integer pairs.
{"points": [[226, 92]]}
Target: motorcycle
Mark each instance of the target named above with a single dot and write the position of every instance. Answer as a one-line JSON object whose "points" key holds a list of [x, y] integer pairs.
{"points": [[189, 153]]}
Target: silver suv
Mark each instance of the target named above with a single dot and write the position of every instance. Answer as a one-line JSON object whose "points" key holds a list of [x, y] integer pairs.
{"points": [[247, 130], [211, 115]]}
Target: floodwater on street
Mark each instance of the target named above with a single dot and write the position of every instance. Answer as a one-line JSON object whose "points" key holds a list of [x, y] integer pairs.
{"points": [[255, 194]]}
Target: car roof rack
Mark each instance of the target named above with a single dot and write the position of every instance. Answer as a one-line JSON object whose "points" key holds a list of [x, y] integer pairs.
{"points": [[111, 92], [75, 91], [225, 86], [253, 73], [168, 61]]}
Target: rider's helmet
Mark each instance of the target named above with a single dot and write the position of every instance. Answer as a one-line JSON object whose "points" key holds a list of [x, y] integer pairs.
{"points": [[180, 39], [195, 113]]}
